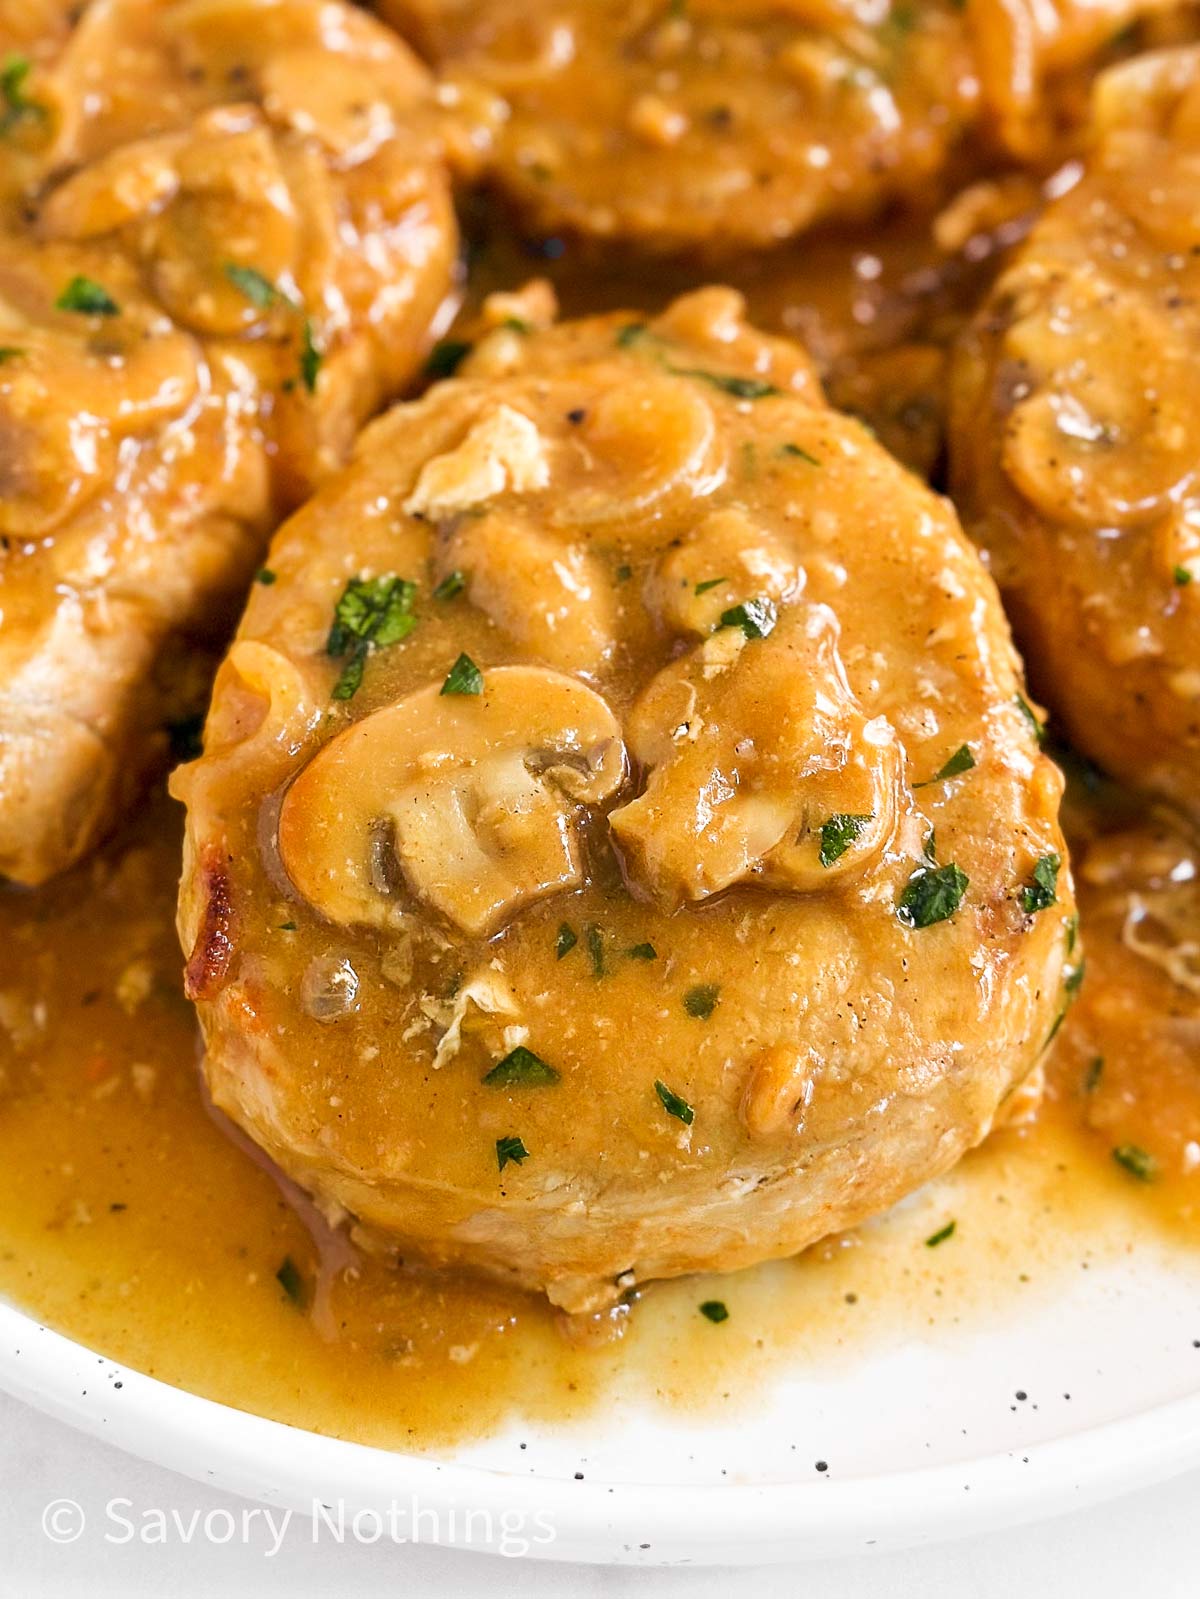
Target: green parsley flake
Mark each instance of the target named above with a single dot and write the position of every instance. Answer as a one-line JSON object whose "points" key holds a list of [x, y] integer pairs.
{"points": [[310, 357], [594, 937], [446, 357], [701, 1001], [17, 104], [464, 677], [566, 940], [739, 388], [673, 1105], [521, 1068], [642, 952], [265, 576], [1030, 715], [756, 618], [510, 1148], [715, 1310], [451, 585], [1137, 1161], [88, 298], [1182, 577], [838, 833], [710, 583], [254, 286], [289, 1279], [10, 352], [941, 1235], [1095, 1072], [932, 894], [371, 614], [799, 454], [630, 334], [1042, 891], [961, 761]]}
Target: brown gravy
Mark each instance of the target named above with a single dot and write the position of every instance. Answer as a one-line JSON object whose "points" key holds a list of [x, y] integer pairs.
{"points": [[132, 1221]]}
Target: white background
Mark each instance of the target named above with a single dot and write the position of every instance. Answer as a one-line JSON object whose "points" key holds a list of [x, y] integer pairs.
{"points": [[1148, 1543]]}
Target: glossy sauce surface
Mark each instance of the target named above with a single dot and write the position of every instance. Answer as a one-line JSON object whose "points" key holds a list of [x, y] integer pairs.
{"points": [[131, 1220]]}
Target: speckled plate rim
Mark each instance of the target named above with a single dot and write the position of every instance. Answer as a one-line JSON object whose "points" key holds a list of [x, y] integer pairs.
{"points": [[594, 1521]]}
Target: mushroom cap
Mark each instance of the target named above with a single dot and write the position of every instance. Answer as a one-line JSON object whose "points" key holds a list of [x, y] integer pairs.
{"points": [[473, 799]]}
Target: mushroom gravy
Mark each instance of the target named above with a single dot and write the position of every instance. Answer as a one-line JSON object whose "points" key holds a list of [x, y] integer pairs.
{"points": [[130, 1219]]}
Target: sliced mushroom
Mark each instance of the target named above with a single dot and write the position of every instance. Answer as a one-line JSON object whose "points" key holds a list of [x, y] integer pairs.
{"points": [[472, 802], [1097, 442], [127, 183], [645, 444], [69, 395], [549, 596], [762, 767], [727, 560]]}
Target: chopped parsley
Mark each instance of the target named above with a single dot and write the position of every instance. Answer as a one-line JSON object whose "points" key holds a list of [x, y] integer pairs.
{"points": [[1182, 577], [838, 833], [740, 388], [451, 585], [642, 952], [673, 1105], [521, 1068], [510, 1148], [632, 333], [624, 573], [256, 287], [566, 940], [715, 1310], [87, 297], [464, 677], [941, 1235], [17, 104], [310, 357], [710, 583], [701, 1001], [1095, 1072], [10, 352], [1137, 1161], [961, 761], [800, 455], [289, 1279], [1042, 892], [932, 894], [265, 576], [594, 937], [1030, 715], [756, 618], [372, 613], [446, 357]]}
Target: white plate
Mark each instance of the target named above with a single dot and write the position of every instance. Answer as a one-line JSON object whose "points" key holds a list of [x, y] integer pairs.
{"points": [[925, 1439]]}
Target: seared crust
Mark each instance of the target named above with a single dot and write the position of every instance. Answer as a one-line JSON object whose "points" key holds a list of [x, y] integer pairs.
{"points": [[833, 1037]]}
